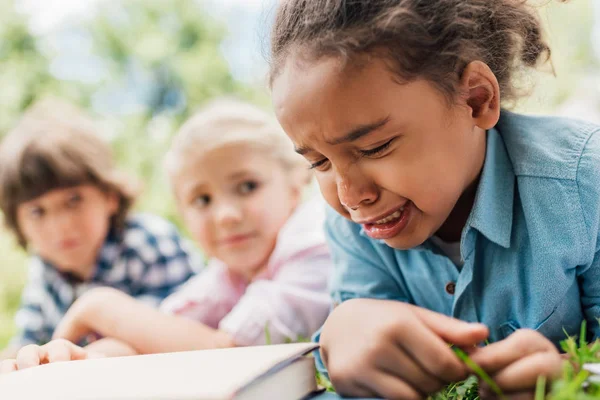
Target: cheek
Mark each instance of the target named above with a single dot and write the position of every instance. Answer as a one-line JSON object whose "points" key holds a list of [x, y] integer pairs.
{"points": [[200, 230], [35, 233], [270, 208], [94, 223], [329, 190]]}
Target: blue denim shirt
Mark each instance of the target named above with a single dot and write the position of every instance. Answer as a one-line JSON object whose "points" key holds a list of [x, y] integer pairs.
{"points": [[530, 246]]}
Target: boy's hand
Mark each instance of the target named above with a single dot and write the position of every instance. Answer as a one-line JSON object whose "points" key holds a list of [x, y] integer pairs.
{"points": [[54, 351], [77, 322], [516, 362], [382, 348]]}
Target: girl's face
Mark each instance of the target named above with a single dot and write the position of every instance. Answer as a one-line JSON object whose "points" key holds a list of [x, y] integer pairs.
{"points": [[234, 201], [67, 227], [395, 158]]}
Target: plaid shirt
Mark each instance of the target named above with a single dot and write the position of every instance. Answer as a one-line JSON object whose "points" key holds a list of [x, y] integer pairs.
{"points": [[147, 261]]}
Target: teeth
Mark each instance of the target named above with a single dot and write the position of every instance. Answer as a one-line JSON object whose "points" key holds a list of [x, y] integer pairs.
{"points": [[392, 217]]}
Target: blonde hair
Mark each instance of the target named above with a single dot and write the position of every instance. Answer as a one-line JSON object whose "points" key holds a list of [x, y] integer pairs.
{"points": [[54, 146], [226, 122]]}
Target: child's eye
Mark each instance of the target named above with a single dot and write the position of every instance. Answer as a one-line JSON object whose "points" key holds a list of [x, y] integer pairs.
{"points": [[377, 150], [36, 212], [74, 200], [247, 187], [320, 165], [201, 201]]}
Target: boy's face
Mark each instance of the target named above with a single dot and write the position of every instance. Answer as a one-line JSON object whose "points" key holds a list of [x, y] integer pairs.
{"points": [[67, 227], [392, 157], [234, 201]]}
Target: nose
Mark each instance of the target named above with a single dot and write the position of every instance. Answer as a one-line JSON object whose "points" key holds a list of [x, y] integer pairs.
{"points": [[228, 214], [355, 189], [63, 223]]}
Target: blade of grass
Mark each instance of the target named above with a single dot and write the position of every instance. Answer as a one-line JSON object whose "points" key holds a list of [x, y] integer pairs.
{"points": [[540, 388], [478, 371]]}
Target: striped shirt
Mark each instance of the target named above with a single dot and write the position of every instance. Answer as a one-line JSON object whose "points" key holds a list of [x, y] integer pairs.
{"points": [[148, 260]]}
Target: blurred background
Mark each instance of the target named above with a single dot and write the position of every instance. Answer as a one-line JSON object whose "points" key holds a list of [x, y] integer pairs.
{"points": [[141, 67]]}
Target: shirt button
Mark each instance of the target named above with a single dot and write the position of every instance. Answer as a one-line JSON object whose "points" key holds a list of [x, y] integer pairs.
{"points": [[450, 287]]}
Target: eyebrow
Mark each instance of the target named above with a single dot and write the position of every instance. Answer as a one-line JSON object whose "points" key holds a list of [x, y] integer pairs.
{"points": [[355, 134], [239, 174]]}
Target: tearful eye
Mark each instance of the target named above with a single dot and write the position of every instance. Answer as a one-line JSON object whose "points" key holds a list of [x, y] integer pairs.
{"points": [[201, 201], [377, 150], [247, 187], [320, 165]]}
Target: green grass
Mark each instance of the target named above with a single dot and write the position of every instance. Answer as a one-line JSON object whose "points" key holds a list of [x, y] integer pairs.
{"points": [[572, 385]]}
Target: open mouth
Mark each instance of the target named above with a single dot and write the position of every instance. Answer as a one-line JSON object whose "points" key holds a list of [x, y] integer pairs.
{"points": [[390, 225]]}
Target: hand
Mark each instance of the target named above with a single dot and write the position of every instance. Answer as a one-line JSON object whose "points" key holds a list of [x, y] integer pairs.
{"points": [[382, 348], [516, 362], [76, 323], [54, 351]]}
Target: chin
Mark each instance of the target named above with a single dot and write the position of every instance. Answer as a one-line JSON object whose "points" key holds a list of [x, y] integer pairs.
{"points": [[403, 242]]}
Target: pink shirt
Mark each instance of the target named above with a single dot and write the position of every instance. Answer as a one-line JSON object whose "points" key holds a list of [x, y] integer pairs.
{"points": [[290, 296]]}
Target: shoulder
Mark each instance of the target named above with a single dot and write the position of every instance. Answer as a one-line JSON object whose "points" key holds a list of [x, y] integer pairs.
{"points": [[153, 239], [143, 230], [150, 224], [544, 146]]}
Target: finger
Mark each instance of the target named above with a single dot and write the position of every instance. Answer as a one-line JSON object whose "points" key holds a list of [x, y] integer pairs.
{"points": [[390, 387], [29, 356], [55, 351], [397, 363], [7, 366], [523, 374], [496, 356], [433, 354], [62, 350], [352, 388], [452, 330], [67, 329]]}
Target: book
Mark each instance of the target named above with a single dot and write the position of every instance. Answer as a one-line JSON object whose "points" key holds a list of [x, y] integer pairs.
{"points": [[243, 373]]}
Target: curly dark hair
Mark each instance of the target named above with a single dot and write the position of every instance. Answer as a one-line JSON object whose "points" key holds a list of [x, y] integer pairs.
{"points": [[430, 39]]}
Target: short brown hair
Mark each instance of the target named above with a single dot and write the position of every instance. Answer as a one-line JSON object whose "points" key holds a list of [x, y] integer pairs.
{"points": [[55, 146], [433, 39]]}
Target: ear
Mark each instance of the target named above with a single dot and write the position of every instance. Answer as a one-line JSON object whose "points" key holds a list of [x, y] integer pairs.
{"points": [[481, 94]]}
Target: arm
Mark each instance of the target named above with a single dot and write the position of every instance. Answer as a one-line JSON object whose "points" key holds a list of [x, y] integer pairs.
{"points": [[373, 343], [292, 305], [115, 315], [109, 347], [588, 176], [516, 362]]}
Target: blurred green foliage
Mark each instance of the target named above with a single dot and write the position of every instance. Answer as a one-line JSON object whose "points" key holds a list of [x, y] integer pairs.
{"points": [[166, 51]]}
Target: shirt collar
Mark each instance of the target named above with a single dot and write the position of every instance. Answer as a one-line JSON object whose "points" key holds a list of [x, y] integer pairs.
{"points": [[492, 212]]}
